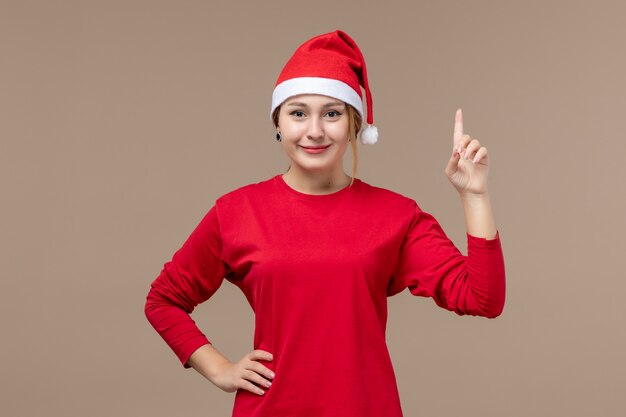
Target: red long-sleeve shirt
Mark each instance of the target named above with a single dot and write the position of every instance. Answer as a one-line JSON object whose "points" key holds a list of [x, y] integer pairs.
{"points": [[317, 271]]}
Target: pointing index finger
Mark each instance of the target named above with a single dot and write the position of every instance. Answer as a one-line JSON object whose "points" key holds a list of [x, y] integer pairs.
{"points": [[458, 127]]}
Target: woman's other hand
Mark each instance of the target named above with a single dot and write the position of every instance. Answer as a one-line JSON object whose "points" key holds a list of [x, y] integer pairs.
{"points": [[245, 373]]}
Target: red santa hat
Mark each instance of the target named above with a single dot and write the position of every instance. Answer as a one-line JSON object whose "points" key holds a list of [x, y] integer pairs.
{"points": [[330, 64]]}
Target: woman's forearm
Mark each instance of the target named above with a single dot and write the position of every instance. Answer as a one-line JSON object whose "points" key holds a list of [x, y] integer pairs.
{"points": [[207, 360], [478, 215]]}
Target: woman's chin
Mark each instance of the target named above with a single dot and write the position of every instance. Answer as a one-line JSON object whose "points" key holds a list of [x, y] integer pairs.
{"points": [[312, 166]]}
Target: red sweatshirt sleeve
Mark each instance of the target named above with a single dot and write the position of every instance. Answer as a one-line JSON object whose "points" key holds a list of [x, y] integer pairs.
{"points": [[431, 266], [193, 275]]}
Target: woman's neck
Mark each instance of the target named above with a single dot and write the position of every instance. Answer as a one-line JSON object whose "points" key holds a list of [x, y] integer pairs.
{"points": [[317, 183]]}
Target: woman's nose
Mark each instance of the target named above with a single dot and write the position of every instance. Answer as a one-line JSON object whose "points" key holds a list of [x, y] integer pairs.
{"points": [[316, 130]]}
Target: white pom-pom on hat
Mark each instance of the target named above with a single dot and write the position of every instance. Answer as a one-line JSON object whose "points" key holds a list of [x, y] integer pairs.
{"points": [[369, 135], [332, 65]]}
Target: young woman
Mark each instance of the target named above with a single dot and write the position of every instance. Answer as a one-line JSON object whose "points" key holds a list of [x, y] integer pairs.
{"points": [[317, 252]]}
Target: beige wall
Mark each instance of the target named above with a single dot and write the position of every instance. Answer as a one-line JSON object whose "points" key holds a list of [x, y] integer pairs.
{"points": [[122, 121]]}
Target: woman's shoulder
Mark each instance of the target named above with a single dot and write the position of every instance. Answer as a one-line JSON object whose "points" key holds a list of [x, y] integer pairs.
{"points": [[387, 196], [384, 192], [246, 191]]}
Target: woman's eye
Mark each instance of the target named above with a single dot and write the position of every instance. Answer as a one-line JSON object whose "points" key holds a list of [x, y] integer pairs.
{"points": [[299, 113]]}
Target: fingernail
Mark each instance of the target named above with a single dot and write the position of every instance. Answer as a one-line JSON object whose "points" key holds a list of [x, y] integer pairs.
{"points": [[272, 375], [475, 160]]}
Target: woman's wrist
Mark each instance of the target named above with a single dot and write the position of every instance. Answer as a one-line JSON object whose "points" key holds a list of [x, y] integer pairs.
{"points": [[472, 198], [478, 215], [207, 360]]}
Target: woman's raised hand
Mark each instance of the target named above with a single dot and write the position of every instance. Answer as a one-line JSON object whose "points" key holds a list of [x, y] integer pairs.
{"points": [[245, 373], [468, 167]]}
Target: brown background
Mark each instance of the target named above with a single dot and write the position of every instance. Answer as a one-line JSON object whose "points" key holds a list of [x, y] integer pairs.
{"points": [[122, 121]]}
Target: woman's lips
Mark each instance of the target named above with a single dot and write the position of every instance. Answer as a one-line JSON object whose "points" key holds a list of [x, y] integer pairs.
{"points": [[315, 149]]}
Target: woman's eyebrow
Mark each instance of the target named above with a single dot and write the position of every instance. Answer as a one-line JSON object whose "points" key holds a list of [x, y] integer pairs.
{"points": [[333, 103]]}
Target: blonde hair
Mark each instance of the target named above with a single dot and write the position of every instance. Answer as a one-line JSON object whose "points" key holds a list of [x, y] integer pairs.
{"points": [[354, 126]]}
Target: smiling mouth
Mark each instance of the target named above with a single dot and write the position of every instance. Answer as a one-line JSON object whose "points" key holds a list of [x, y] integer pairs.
{"points": [[316, 147], [314, 150]]}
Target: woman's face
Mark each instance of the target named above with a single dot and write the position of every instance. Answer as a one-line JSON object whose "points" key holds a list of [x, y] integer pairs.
{"points": [[314, 131]]}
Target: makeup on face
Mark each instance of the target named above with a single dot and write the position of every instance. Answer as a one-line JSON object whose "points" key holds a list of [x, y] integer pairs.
{"points": [[315, 150]]}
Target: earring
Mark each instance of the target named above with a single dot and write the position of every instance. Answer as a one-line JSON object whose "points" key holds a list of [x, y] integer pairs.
{"points": [[278, 137]]}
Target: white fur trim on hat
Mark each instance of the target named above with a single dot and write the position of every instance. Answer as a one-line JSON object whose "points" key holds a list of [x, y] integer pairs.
{"points": [[316, 85]]}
